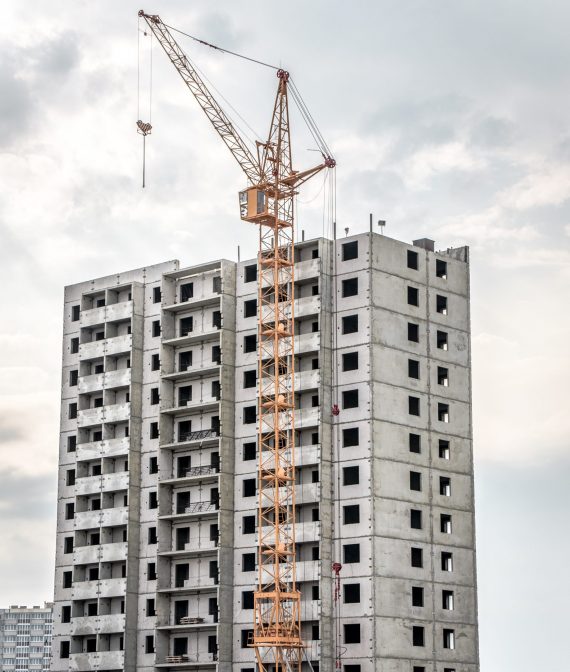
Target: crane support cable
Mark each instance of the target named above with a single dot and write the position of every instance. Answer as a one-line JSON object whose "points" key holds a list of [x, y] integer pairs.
{"points": [[225, 51]]}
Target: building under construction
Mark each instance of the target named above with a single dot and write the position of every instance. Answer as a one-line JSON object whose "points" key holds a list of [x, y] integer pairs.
{"points": [[159, 513]]}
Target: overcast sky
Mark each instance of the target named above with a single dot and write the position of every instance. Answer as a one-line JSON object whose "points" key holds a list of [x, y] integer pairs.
{"points": [[448, 118]]}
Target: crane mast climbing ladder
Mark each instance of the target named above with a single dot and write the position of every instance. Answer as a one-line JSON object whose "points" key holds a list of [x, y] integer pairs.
{"points": [[268, 201]]}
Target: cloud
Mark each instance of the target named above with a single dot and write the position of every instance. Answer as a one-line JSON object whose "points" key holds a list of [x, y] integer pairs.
{"points": [[16, 104]]}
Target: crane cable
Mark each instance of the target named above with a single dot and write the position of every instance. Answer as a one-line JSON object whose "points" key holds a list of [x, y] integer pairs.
{"points": [[225, 51], [296, 95]]}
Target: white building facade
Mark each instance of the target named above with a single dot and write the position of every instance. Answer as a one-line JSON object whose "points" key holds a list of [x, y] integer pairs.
{"points": [[157, 525], [25, 638]]}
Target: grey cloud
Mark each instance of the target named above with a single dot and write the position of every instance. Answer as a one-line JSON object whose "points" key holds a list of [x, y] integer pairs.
{"points": [[25, 497], [10, 432], [26, 77], [57, 56], [492, 132], [16, 104], [218, 29]]}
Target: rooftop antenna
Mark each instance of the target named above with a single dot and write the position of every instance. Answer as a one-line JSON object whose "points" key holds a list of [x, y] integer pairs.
{"points": [[381, 224]]}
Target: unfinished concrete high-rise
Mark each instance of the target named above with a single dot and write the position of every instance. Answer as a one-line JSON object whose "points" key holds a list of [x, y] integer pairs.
{"points": [[156, 541]]}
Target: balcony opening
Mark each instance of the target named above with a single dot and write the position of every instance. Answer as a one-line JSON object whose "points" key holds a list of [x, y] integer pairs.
{"points": [[186, 292], [446, 561], [186, 325], [442, 341], [184, 395], [184, 360], [445, 523], [445, 486]]}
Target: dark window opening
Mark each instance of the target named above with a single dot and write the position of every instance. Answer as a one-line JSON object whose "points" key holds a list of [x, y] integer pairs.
{"points": [[250, 273], [156, 295], [415, 480], [350, 475], [350, 250], [250, 343], [352, 633], [248, 524], [250, 378], [417, 596], [349, 287], [249, 451], [441, 269], [249, 415], [413, 296], [414, 405], [418, 637], [441, 304], [413, 260], [350, 399], [186, 291], [350, 437], [413, 368], [442, 340], [351, 553], [415, 519], [350, 324], [413, 332], [415, 443], [155, 328], [350, 361], [351, 514], [351, 593], [186, 326], [250, 308]]}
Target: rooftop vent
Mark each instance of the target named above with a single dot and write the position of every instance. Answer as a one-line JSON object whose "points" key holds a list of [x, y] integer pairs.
{"points": [[426, 243]]}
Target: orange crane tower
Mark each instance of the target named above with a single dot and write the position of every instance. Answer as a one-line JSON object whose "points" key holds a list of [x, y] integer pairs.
{"points": [[268, 202]]}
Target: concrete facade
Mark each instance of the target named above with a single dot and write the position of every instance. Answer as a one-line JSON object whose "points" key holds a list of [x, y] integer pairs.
{"points": [[25, 638], [156, 552]]}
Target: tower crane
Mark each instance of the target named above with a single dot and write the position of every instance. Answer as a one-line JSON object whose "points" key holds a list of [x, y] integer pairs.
{"points": [[267, 201]]}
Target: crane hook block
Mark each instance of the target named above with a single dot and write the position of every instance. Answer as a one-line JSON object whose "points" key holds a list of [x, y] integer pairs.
{"points": [[335, 409]]}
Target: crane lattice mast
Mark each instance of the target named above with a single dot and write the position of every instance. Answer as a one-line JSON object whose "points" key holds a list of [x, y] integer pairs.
{"points": [[267, 202]]}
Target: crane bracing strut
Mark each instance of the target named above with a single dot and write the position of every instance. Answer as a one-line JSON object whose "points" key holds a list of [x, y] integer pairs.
{"points": [[268, 202]]}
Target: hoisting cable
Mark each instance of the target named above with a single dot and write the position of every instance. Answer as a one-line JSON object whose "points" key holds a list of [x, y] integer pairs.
{"points": [[143, 128], [225, 51]]}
